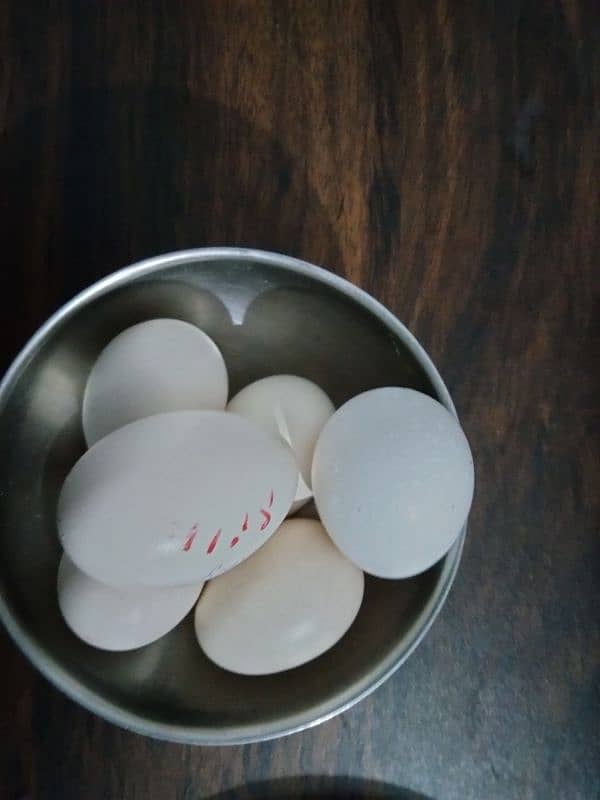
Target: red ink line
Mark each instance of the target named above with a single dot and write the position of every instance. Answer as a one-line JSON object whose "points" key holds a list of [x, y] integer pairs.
{"points": [[245, 525], [213, 542], [271, 498], [234, 541], [267, 518], [190, 538]]}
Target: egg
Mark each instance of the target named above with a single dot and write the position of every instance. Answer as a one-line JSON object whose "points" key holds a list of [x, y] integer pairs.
{"points": [[174, 498], [293, 408], [393, 481], [119, 618], [156, 366], [287, 604]]}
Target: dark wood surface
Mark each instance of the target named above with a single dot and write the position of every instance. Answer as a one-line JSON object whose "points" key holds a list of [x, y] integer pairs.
{"points": [[445, 157]]}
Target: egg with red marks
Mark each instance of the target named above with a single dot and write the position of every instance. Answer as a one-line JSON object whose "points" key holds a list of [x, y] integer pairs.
{"points": [[174, 498]]}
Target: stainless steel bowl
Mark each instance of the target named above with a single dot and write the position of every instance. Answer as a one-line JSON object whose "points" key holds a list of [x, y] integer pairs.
{"points": [[268, 313]]}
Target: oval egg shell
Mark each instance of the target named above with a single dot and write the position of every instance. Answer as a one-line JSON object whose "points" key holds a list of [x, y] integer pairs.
{"points": [[293, 408], [153, 367], [393, 481], [174, 498], [119, 618], [282, 607]]}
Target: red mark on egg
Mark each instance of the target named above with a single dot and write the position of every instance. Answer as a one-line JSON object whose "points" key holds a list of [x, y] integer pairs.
{"points": [[266, 519], [266, 515], [213, 542], [187, 545]]}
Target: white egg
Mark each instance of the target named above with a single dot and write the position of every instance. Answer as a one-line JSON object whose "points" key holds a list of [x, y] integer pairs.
{"points": [[291, 407], [175, 498], [393, 481], [156, 366], [119, 618], [286, 605]]}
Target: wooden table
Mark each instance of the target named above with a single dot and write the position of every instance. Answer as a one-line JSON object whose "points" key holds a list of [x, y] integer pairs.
{"points": [[441, 155]]}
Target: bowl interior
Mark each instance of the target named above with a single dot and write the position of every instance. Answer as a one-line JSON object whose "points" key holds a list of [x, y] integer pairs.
{"points": [[265, 319]]}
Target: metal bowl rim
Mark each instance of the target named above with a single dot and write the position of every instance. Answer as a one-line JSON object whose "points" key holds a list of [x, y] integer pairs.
{"points": [[193, 734]]}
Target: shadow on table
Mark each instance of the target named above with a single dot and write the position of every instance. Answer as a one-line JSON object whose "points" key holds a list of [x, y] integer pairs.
{"points": [[319, 787], [111, 175]]}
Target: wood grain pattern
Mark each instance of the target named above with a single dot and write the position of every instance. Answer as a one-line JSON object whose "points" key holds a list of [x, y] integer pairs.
{"points": [[445, 157]]}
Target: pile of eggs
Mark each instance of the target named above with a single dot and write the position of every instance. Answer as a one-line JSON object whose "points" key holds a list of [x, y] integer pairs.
{"points": [[183, 499]]}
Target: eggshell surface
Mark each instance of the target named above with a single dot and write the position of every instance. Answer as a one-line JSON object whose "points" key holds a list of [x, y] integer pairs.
{"points": [[119, 618], [293, 408], [393, 481], [174, 498], [284, 606], [153, 367]]}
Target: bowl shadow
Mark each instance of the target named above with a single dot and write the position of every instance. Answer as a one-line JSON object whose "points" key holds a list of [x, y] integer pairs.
{"points": [[319, 787]]}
